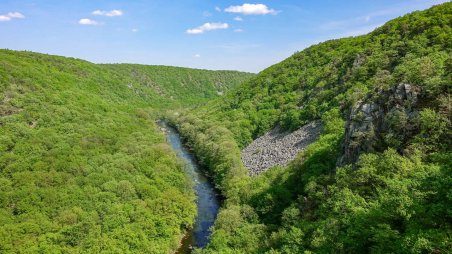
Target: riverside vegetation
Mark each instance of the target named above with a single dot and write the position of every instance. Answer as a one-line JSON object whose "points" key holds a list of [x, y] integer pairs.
{"points": [[83, 167], [379, 177]]}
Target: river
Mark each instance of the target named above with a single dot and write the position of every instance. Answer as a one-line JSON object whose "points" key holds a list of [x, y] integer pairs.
{"points": [[208, 199]]}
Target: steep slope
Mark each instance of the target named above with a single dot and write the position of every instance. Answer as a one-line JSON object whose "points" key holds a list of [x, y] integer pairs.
{"points": [[377, 178], [83, 167]]}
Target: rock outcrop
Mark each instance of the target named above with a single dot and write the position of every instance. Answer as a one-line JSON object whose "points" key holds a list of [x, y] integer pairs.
{"points": [[278, 148], [385, 119]]}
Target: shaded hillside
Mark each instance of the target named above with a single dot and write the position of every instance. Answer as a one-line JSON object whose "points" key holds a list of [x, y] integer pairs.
{"points": [[178, 86], [83, 167], [377, 178]]}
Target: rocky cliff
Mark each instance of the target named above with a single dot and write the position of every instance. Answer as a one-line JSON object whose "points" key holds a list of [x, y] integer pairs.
{"points": [[385, 118]]}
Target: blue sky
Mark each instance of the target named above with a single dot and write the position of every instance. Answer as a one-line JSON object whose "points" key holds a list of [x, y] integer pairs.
{"points": [[238, 35]]}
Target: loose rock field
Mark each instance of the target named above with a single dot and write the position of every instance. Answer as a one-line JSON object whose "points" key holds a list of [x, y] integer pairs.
{"points": [[278, 148]]}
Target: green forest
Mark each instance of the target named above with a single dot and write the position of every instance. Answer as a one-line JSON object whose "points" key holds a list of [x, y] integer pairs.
{"points": [[385, 188], [83, 167]]}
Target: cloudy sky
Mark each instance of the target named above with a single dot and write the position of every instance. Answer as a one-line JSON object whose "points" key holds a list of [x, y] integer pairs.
{"points": [[239, 35]]}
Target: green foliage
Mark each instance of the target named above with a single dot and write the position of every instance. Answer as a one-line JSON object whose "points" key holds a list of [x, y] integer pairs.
{"points": [[83, 168], [435, 131], [216, 150], [394, 201], [176, 87]]}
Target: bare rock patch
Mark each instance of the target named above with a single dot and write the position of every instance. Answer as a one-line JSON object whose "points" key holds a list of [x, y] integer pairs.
{"points": [[277, 148]]}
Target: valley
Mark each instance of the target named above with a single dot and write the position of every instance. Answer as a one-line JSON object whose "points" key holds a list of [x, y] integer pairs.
{"points": [[208, 200], [343, 147], [380, 167], [83, 166]]}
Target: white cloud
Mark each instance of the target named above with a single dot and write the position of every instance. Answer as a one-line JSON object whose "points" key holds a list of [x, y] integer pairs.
{"points": [[238, 30], [218, 9], [16, 15], [135, 30], [111, 13], [4, 18], [197, 56], [238, 18], [88, 22], [11, 15], [251, 9], [207, 27]]}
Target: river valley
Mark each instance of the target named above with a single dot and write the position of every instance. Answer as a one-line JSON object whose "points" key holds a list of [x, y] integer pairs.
{"points": [[208, 199]]}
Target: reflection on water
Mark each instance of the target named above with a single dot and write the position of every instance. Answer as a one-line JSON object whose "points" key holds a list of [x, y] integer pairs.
{"points": [[207, 197]]}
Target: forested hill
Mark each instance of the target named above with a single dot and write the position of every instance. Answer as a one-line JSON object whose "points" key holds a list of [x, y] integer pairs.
{"points": [[178, 86], [338, 73], [378, 178], [83, 169], [164, 86]]}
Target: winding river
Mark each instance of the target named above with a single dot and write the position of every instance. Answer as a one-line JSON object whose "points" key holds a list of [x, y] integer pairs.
{"points": [[208, 202]]}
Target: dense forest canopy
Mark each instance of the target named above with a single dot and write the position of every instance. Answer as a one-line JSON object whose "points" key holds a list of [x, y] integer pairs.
{"points": [[83, 167], [378, 180]]}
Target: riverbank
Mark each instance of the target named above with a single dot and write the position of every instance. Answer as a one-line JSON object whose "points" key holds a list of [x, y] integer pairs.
{"points": [[208, 199]]}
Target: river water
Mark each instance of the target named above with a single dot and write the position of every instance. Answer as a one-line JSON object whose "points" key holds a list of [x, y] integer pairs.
{"points": [[208, 200]]}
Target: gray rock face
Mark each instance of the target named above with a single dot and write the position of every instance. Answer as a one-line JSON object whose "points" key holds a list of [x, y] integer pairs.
{"points": [[387, 114], [278, 148]]}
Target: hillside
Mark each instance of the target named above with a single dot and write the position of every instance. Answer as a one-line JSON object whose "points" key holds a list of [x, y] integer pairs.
{"points": [[378, 178], [175, 86], [83, 168]]}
